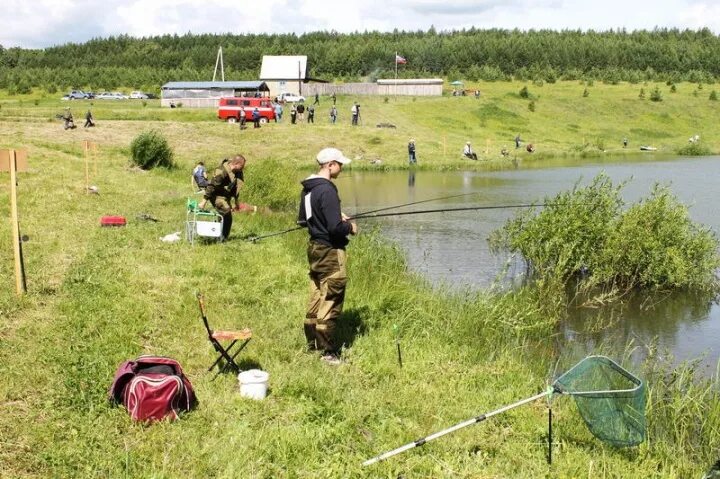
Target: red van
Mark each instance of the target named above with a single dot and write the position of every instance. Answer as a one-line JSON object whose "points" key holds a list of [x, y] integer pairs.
{"points": [[229, 109]]}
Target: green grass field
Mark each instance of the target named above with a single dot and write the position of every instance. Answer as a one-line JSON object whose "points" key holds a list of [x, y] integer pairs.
{"points": [[98, 296]]}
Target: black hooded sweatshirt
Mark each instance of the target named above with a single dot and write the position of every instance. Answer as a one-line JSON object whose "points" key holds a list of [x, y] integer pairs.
{"points": [[320, 212]]}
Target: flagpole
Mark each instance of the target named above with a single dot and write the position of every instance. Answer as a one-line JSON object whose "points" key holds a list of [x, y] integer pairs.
{"points": [[396, 68]]}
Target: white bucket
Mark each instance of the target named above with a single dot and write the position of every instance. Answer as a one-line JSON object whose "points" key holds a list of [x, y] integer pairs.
{"points": [[253, 383]]}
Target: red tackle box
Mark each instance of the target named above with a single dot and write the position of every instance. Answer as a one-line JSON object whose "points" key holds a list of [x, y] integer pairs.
{"points": [[113, 221]]}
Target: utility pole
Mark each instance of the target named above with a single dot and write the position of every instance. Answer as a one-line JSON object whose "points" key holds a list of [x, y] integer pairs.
{"points": [[219, 60], [299, 78]]}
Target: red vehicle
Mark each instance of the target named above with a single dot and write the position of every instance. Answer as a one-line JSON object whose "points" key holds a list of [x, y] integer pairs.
{"points": [[229, 109]]}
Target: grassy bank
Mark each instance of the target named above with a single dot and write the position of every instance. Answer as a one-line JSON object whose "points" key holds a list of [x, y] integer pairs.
{"points": [[563, 123], [100, 296]]}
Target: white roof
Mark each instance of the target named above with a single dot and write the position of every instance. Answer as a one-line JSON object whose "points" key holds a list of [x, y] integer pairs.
{"points": [[283, 67]]}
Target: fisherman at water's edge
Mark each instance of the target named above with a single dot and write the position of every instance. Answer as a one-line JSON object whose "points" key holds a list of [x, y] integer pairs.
{"points": [[328, 228]]}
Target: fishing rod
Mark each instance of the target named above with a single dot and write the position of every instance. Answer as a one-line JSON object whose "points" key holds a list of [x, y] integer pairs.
{"points": [[365, 213], [445, 210], [254, 239]]}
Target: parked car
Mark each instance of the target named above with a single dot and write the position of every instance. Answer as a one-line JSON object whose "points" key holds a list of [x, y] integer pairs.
{"points": [[138, 95], [229, 109], [289, 97], [75, 95], [111, 96]]}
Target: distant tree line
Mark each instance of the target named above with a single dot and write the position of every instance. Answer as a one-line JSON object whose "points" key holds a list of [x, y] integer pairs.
{"points": [[493, 55]]}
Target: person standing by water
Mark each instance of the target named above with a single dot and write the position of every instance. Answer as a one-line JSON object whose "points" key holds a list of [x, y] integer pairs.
{"points": [[469, 153], [328, 228], [412, 159]]}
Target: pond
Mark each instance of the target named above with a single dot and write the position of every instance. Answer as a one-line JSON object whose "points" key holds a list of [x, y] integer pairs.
{"points": [[451, 248]]}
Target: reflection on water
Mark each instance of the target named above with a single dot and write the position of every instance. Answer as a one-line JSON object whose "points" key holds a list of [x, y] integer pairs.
{"points": [[451, 248]]}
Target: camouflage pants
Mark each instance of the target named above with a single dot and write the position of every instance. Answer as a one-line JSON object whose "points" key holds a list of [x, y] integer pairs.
{"points": [[328, 278], [222, 205]]}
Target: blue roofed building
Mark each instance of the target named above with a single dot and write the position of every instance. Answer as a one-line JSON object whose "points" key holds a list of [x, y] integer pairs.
{"points": [[203, 94]]}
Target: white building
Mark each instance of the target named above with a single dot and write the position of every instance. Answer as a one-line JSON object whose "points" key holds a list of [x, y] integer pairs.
{"points": [[284, 74]]}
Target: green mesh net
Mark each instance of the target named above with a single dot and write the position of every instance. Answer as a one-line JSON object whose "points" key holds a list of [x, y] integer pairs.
{"points": [[609, 398]]}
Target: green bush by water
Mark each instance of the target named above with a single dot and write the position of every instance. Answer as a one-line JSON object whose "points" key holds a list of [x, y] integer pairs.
{"points": [[586, 233]]}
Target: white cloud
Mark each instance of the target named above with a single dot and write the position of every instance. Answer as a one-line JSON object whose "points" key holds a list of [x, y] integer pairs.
{"points": [[42, 23], [701, 15]]}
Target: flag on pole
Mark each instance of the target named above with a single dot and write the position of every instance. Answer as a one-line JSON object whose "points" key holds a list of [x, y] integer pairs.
{"points": [[399, 60]]}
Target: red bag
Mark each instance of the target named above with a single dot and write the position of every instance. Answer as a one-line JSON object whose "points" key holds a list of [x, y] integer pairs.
{"points": [[152, 388], [113, 221]]}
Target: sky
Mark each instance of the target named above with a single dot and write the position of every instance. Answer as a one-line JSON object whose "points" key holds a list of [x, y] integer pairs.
{"points": [[45, 23]]}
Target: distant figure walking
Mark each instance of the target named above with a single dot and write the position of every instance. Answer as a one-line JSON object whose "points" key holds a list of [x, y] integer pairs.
{"points": [[625, 142], [278, 112], [412, 159], [68, 120], [293, 114], [311, 114], [468, 152], [517, 141], [333, 97], [333, 114], [317, 99], [256, 118], [89, 121]]}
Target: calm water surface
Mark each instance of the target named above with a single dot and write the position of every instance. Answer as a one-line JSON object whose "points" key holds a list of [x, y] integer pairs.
{"points": [[452, 248]]}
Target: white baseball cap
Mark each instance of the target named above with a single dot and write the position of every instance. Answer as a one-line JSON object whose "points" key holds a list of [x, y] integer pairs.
{"points": [[327, 155]]}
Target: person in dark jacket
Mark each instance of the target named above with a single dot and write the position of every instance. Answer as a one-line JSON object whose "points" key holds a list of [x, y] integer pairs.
{"points": [[328, 228], [223, 187], [412, 159], [89, 120], [256, 118]]}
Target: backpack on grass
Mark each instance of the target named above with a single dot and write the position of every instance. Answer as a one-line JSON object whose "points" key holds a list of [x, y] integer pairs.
{"points": [[152, 388]]}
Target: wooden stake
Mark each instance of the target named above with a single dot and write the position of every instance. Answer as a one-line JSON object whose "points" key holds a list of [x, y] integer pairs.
{"points": [[19, 268], [87, 167]]}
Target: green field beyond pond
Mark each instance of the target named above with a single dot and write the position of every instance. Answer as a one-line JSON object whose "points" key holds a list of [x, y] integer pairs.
{"points": [[99, 296]]}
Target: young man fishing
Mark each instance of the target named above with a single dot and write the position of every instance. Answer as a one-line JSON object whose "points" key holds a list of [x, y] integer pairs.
{"points": [[328, 228]]}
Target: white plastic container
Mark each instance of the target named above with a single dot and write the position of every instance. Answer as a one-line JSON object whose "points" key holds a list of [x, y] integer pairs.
{"points": [[253, 383]]}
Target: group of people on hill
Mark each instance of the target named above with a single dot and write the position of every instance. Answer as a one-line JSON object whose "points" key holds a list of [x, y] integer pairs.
{"points": [[328, 229], [468, 151]]}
